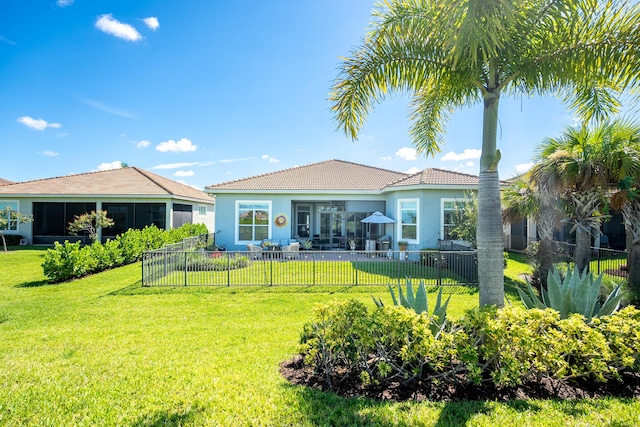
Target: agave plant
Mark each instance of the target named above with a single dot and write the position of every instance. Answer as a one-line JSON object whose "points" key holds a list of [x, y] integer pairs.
{"points": [[419, 303], [577, 293]]}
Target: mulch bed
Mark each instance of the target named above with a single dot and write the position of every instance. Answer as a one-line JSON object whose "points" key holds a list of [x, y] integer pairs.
{"points": [[629, 387]]}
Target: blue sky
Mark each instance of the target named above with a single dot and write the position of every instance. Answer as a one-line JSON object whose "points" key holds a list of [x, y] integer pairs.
{"points": [[205, 92]]}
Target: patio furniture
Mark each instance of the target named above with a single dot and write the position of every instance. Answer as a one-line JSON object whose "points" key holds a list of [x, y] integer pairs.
{"points": [[255, 252], [291, 251]]}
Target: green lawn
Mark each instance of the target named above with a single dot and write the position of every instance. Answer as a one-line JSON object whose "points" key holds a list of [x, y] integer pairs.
{"points": [[105, 351]]}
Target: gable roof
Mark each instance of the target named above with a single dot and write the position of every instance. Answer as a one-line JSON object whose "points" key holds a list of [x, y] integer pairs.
{"points": [[5, 182], [330, 175], [438, 177], [129, 181]]}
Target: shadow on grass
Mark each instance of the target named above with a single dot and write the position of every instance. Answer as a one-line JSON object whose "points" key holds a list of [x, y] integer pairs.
{"points": [[323, 408], [35, 284], [167, 418]]}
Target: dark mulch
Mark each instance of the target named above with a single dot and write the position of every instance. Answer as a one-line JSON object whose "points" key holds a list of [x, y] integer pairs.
{"points": [[629, 387]]}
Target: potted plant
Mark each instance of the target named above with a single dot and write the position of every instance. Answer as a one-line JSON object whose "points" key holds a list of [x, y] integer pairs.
{"points": [[402, 245]]}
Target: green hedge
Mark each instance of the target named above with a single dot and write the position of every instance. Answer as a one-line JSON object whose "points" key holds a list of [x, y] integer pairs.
{"points": [[71, 260], [507, 346]]}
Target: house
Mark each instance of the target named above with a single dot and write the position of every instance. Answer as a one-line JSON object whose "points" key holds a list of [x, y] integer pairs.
{"points": [[326, 202], [132, 197]]}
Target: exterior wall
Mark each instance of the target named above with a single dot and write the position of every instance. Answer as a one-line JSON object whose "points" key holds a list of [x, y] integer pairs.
{"points": [[430, 214], [26, 208], [429, 224], [281, 204]]}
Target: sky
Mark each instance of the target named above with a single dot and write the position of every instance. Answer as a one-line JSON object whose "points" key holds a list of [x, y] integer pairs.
{"points": [[204, 92]]}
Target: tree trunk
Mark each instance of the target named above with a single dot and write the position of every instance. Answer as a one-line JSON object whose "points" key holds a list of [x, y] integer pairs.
{"points": [[582, 256], [545, 258], [633, 282], [490, 237]]}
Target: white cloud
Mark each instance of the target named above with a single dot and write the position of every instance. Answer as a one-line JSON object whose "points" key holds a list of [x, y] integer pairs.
{"points": [[108, 166], [107, 109], [37, 124], [407, 153], [175, 165], [181, 146], [237, 160], [152, 22], [470, 164], [6, 40], [467, 154], [184, 173], [523, 167], [143, 144], [109, 25], [413, 170], [64, 3], [270, 159], [385, 158], [49, 153]]}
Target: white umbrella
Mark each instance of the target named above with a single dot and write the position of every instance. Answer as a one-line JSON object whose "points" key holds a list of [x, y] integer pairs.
{"points": [[377, 218]]}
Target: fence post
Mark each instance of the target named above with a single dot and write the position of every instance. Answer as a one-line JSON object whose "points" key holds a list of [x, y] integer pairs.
{"points": [[439, 269], [185, 268], [229, 270]]}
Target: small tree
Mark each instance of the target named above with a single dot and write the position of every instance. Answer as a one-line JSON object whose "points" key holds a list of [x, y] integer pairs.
{"points": [[465, 219], [7, 217], [90, 223]]}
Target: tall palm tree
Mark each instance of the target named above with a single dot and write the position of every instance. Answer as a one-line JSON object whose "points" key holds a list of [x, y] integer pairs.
{"points": [[522, 199], [452, 53]]}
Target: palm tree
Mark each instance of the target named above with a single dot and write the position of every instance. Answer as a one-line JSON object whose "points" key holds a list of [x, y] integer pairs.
{"points": [[522, 199], [572, 167], [583, 165], [452, 53]]}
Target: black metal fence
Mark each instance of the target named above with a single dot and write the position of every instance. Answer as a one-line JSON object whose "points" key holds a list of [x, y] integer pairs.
{"points": [[603, 260], [169, 267]]}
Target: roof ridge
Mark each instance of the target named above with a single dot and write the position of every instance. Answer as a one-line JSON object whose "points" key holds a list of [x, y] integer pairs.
{"points": [[450, 171], [145, 174], [235, 181], [63, 176]]}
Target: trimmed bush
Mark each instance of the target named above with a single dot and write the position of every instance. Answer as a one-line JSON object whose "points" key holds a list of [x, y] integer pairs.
{"points": [[70, 260], [504, 346]]}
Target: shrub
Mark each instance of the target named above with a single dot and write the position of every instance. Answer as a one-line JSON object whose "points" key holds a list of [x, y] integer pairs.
{"points": [[70, 260], [200, 262], [504, 346]]}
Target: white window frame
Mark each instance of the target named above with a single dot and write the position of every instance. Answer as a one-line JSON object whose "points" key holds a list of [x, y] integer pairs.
{"points": [[445, 200], [202, 210], [237, 219], [400, 202], [16, 223]]}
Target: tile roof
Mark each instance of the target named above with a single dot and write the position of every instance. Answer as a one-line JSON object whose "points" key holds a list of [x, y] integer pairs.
{"points": [[129, 181], [5, 182], [433, 176], [330, 175], [338, 175]]}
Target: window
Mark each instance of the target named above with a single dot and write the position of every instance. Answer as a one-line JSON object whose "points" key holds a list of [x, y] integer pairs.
{"points": [[8, 213], [202, 210], [408, 224], [449, 207], [252, 220]]}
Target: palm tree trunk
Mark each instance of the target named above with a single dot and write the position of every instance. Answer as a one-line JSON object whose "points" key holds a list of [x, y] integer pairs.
{"points": [[545, 258], [489, 233], [583, 246], [631, 216]]}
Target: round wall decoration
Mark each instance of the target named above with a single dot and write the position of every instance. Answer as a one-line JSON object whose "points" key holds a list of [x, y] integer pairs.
{"points": [[280, 220]]}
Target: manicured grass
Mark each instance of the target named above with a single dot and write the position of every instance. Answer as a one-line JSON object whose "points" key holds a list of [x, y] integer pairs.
{"points": [[105, 351]]}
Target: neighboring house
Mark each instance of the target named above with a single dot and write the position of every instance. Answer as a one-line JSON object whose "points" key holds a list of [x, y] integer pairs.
{"points": [[132, 197], [325, 202]]}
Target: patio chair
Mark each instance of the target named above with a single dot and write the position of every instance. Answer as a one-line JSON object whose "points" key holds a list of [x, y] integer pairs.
{"points": [[291, 251], [255, 252]]}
